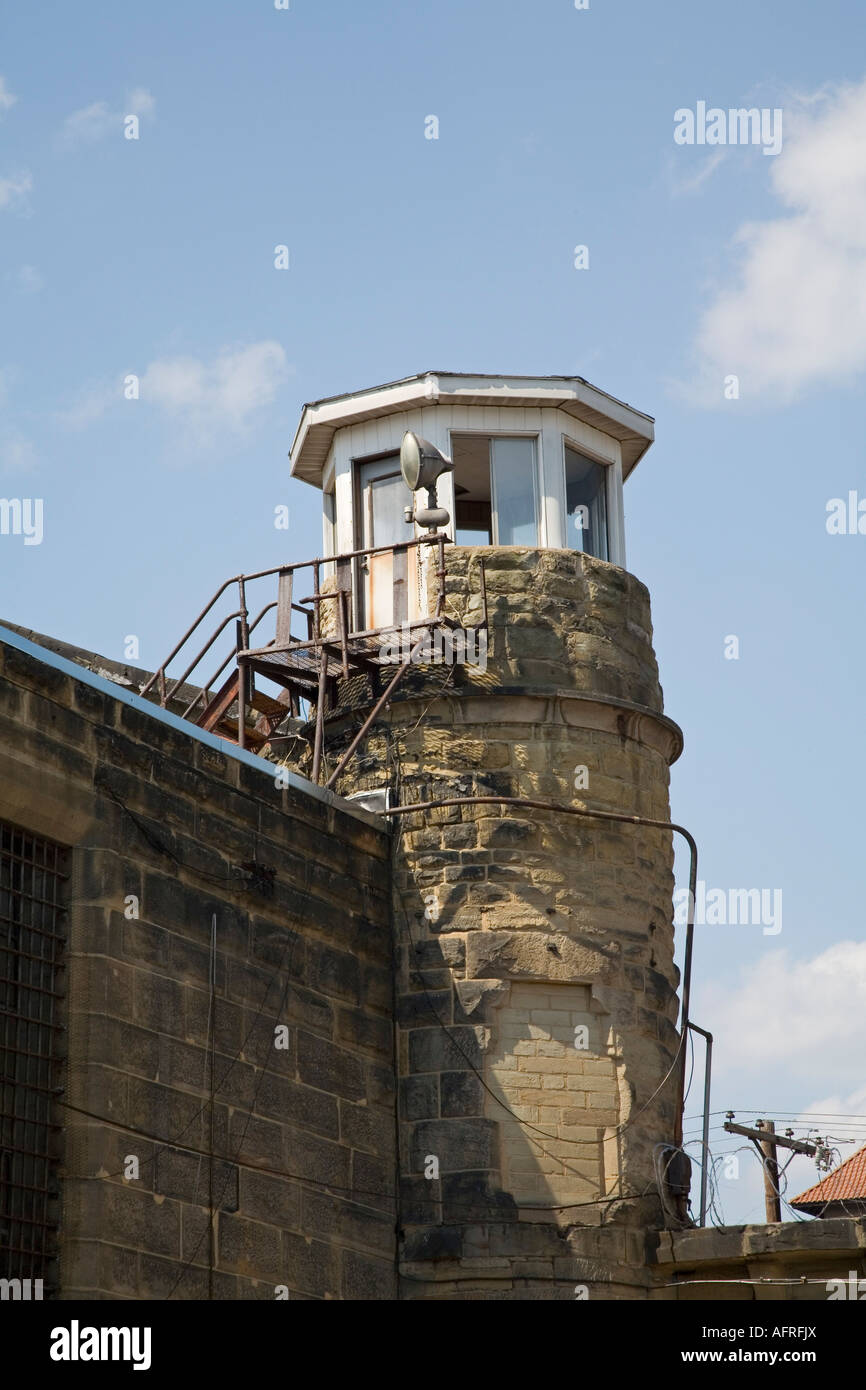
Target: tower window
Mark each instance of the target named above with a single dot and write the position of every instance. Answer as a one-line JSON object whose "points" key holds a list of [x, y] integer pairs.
{"points": [[495, 482], [586, 504], [330, 523]]}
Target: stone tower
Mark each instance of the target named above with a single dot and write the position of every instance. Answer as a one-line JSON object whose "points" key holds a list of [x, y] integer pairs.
{"points": [[536, 989]]}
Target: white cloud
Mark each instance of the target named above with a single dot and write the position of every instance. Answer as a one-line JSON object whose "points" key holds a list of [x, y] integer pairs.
{"points": [[205, 399], [787, 1030], [89, 124], [17, 454], [208, 398], [805, 1019], [140, 103], [6, 97], [835, 1106], [95, 122], [90, 405], [827, 1117], [28, 279], [796, 315], [14, 190], [689, 183]]}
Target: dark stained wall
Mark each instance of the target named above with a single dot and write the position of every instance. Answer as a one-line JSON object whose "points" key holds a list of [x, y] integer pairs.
{"points": [[168, 832]]}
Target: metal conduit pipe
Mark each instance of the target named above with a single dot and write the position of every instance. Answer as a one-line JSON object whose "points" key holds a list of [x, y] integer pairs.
{"points": [[705, 1131]]}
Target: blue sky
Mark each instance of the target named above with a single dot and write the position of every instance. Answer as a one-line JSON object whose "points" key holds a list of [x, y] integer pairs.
{"points": [[306, 128]]}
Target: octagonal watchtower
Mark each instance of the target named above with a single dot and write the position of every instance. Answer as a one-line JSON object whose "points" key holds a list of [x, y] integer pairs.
{"points": [[536, 987]]}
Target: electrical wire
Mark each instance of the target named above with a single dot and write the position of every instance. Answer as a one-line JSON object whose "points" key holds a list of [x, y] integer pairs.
{"points": [[332, 1187], [524, 1124], [782, 1114]]}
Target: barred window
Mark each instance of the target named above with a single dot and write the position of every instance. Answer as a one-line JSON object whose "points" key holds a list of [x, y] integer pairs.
{"points": [[33, 874]]}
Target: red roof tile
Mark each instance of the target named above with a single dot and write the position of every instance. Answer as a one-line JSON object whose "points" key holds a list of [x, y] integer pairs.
{"points": [[845, 1183]]}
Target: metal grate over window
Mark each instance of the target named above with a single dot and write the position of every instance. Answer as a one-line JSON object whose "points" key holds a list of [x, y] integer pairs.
{"points": [[33, 875]]}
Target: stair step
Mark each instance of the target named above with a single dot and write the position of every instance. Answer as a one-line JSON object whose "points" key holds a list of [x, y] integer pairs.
{"points": [[267, 704], [228, 729], [220, 704]]}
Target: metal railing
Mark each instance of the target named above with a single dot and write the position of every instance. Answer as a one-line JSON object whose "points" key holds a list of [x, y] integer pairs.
{"points": [[347, 592]]}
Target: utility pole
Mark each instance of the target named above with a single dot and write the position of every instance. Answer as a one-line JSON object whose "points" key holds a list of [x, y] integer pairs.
{"points": [[772, 1198], [766, 1141]]}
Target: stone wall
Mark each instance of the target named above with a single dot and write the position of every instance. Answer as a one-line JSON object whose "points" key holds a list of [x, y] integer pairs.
{"points": [[168, 830], [520, 933]]}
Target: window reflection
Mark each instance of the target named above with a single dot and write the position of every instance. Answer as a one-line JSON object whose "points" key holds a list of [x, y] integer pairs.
{"points": [[512, 471], [586, 504]]}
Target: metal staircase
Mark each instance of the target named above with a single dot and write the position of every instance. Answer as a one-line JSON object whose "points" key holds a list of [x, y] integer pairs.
{"points": [[334, 645]]}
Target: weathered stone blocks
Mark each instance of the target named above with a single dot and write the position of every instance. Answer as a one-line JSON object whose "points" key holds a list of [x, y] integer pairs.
{"points": [[547, 923]]}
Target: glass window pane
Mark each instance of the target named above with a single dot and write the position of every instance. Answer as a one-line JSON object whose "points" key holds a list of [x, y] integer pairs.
{"points": [[586, 504], [383, 498], [330, 523], [512, 470], [389, 498]]}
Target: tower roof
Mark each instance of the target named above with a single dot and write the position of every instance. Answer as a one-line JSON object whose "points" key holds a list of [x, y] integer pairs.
{"points": [[572, 394], [847, 1183]]}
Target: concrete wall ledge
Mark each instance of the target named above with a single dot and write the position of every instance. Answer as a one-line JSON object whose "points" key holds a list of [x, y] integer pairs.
{"points": [[517, 705], [788, 1240]]}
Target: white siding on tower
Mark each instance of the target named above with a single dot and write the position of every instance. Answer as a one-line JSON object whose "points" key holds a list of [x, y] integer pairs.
{"points": [[439, 422]]}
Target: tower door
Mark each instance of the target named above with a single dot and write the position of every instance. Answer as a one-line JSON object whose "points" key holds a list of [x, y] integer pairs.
{"points": [[388, 587]]}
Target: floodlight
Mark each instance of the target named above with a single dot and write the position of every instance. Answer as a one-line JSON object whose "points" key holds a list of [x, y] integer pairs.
{"points": [[421, 463]]}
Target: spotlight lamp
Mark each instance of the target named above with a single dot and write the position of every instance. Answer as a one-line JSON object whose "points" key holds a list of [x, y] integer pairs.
{"points": [[421, 464]]}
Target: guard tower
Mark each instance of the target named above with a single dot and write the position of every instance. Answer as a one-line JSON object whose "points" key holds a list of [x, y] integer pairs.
{"points": [[493, 668], [536, 984]]}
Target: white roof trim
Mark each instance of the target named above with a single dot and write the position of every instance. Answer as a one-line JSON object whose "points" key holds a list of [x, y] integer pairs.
{"points": [[321, 419]]}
